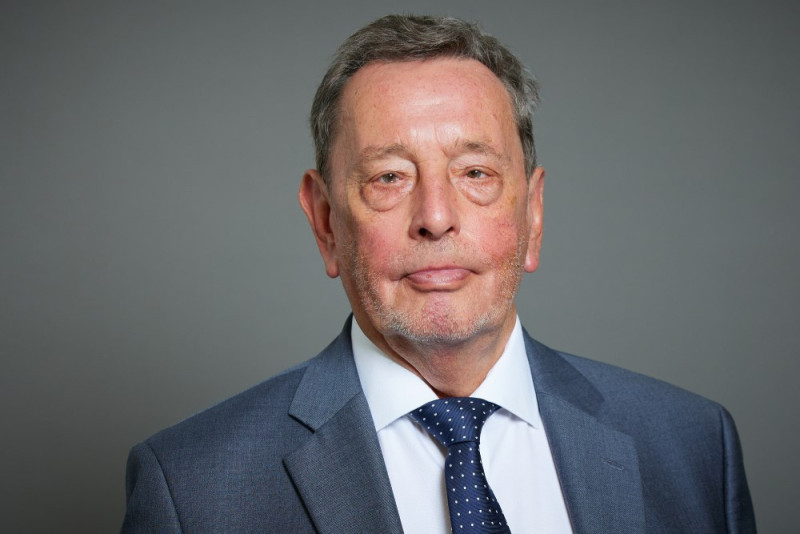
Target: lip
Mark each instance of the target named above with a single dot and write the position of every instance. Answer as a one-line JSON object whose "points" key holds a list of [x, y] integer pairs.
{"points": [[438, 278]]}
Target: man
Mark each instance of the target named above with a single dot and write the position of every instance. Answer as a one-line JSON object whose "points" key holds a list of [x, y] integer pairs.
{"points": [[427, 203]]}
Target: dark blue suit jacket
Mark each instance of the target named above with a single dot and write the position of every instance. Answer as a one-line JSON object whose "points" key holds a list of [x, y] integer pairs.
{"points": [[299, 453]]}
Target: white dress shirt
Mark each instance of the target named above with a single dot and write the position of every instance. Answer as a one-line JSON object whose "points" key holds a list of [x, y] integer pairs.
{"points": [[516, 456]]}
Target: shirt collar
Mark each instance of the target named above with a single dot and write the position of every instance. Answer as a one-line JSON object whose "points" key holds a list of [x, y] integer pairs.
{"points": [[392, 391]]}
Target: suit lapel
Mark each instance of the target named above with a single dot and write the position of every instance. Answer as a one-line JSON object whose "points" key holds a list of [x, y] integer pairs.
{"points": [[339, 472], [597, 465]]}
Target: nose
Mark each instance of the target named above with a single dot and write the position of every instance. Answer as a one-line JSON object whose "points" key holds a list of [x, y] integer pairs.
{"points": [[435, 210]]}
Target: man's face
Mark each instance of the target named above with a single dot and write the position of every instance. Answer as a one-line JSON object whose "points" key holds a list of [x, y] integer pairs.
{"points": [[429, 217]]}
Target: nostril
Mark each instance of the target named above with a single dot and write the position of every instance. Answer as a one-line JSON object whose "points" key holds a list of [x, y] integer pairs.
{"points": [[425, 233]]}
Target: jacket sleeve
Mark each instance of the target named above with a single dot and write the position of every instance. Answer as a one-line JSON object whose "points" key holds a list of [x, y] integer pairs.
{"points": [[150, 507], [739, 514]]}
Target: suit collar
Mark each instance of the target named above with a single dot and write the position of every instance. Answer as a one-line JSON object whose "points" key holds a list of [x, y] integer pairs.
{"points": [[554, 376], [339, 471], [329, 382], [597, 465]]}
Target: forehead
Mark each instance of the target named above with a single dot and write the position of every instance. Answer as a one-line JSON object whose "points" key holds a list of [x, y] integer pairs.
{"points": [[422, 75], [446, 100]]}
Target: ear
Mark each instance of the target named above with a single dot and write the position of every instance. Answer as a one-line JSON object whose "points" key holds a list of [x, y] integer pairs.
{"points": [[314, 200], [535, 218]]}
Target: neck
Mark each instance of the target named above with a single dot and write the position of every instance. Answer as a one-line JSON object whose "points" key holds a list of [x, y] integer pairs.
{"points": [[450, 369]]}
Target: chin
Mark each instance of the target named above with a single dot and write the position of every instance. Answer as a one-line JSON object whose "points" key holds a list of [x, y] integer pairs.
{"points": [[437, 328]]}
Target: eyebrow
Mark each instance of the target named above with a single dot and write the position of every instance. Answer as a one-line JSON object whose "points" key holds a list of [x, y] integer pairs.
{"points": [[374, 152], [480, 147]]}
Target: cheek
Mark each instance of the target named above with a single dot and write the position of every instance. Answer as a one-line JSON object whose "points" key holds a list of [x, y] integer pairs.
{"points": [[500, 238], [373, 247], [504, 231]]}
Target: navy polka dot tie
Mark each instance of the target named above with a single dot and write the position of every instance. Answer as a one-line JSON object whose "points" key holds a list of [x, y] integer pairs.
{"points": [[456, 422]]}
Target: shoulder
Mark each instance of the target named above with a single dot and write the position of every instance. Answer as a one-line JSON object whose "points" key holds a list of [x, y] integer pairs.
{"points": [[248, 413], [618, 384], [687, 451], [684, 441], [239, 442], [606, 387], [263, 413], [228, 457], [687, 445], [646, 408], [634, 396]]}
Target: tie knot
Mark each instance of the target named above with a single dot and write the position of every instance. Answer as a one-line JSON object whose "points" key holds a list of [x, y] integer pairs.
{"points": [[454, 419]]}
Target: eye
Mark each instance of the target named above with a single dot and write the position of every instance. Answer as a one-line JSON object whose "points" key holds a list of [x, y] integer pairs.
{"points": [[388, 178], [482, 184], [384, 190]]}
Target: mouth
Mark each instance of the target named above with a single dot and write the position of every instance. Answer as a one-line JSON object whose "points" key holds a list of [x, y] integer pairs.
{"points": [[447, 278]]}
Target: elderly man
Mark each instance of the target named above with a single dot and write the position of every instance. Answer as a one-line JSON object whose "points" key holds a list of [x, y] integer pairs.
{"points": [[434, 410]]}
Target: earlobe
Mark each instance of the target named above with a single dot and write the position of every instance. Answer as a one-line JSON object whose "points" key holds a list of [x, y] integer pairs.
{"points": [[535, 218], [314, 201]]}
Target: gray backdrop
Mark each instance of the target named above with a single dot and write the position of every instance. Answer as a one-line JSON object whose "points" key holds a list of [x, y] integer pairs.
{"points": [[154, 260]]}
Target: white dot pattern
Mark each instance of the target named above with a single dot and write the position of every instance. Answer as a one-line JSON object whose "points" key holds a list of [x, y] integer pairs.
{"points": [[456, 422]]}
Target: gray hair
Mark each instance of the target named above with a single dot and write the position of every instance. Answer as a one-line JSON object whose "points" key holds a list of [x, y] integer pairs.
{"points": [[410, 38]]}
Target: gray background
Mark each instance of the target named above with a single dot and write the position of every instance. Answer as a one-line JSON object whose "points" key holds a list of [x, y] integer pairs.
{"points": [[154, 260]]}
